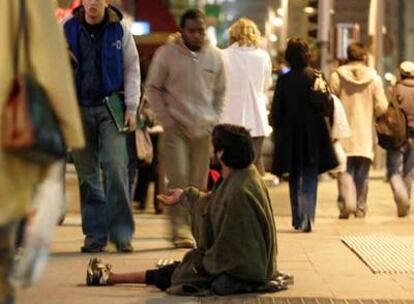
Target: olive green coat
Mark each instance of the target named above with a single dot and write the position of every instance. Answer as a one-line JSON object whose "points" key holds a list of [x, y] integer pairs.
{"points": [[50, 62], [235, 233]]}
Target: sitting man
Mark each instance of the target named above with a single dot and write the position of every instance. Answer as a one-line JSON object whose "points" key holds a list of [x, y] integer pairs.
{"points": [[233, 226]]}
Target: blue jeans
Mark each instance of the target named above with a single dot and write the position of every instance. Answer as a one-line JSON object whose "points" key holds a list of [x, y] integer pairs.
{"points": [[303, 187], [106, 210], [401, 162], [358, 168]]}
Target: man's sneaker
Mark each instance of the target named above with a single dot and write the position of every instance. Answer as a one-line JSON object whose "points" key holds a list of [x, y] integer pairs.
{"points": [[97, 273], [287, 278], [93, 248], [124, 247]]}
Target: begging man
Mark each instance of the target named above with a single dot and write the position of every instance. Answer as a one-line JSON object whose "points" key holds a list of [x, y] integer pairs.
{"points": [[233, 226]]}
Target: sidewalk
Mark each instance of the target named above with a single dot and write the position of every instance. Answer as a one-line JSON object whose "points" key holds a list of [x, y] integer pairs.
{"points": [[324, 268]]}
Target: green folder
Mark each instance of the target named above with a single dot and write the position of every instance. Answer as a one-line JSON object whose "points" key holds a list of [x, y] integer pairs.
{"points": [[116, 107]]}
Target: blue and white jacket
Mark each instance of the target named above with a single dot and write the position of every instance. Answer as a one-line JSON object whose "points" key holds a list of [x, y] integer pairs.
{"points": [[120, 59]]}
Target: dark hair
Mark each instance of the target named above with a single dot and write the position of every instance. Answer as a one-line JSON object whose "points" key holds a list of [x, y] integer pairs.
{"points": [[297, 53], [191, 14], [356, 52], [236, 144]]}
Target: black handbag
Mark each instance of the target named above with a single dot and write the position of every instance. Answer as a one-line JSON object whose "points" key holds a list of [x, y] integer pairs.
{"points": [[320, 96], [30, 128]]}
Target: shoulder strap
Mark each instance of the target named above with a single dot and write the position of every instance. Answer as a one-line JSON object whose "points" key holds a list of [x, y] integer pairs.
{"points": [[21, 30]]}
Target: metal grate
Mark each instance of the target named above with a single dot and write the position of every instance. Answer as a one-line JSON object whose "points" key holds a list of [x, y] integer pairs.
{"points": [[384, 254], [268, 299]]}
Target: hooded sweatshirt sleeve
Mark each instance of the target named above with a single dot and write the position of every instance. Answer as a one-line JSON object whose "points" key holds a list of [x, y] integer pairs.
{"points": [[380, 99], [334, 83], [220, 88], [155, 86], [132, 76]]}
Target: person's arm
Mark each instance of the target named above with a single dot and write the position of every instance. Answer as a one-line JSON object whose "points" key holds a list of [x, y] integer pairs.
{"points": [[380, 99], [219, 89], [155, 87], [277, 108], [132, 78], [335, 83], [50, 64]]}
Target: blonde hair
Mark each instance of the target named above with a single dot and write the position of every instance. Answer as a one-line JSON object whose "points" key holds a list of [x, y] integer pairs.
{"points": [[245, 32]]}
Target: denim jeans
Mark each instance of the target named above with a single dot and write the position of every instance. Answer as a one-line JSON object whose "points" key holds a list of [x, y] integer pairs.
{"points": [[6, 263], [401, 162], [303, 188], [358, 168], [105, 204]]}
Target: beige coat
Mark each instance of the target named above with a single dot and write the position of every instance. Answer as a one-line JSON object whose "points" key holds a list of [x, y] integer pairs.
{"points": [[50, 62], [361, 91]]}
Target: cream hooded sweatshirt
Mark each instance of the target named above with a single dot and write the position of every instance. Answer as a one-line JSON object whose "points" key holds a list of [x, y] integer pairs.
{"points": [[361, 91], [186, 89]]}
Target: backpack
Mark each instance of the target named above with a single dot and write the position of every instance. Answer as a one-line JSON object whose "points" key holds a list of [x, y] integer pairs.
{"points": [[320, 96], [392, 126]]}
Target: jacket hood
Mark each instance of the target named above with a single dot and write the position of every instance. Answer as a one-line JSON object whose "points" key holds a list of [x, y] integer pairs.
{"points": [[356, 73], [114, 15], [407, 82], [176, 40]]}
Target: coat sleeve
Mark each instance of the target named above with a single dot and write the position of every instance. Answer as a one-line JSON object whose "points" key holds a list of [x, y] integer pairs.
{"points": [[132, 75], [219, 88], [239, 247], [50, 63], [277, 107], [192, 198], [267, 72], [380, 99], [334, 84], [155, 87]]}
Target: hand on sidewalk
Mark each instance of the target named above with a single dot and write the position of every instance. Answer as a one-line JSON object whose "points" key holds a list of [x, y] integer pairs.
{"points": [[173, 197]]}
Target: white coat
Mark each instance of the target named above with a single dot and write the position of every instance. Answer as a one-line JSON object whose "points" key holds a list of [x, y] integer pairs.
{"points": [[249, 72]]}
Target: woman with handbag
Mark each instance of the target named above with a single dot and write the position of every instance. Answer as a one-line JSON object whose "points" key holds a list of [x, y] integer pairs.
{"points": [[50, 72], [303, 147]]}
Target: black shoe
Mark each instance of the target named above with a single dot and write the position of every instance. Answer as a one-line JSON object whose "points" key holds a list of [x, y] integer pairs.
{"points": [[124, 247], [307, 226], [93, 248]]}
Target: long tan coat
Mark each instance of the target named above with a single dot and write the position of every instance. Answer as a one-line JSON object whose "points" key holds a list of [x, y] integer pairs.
{"points": [[50, 63]]}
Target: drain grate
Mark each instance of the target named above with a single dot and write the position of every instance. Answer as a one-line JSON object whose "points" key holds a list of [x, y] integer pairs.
{"points": [[384, 254], [280, 300]]}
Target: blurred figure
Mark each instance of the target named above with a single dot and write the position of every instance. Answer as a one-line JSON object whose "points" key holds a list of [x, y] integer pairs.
{"points": [[185, 86], [361, 91], [108, 64], [234, 227], [400, 163], [249, 72], [303, 145], [50, 63]]}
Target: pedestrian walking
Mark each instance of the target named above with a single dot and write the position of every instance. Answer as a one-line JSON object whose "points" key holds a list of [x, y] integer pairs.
{"points": [[400, 162], [185, 86], [108, 64], [362, 93], [249, 76], [303, 146], [49, 61]]}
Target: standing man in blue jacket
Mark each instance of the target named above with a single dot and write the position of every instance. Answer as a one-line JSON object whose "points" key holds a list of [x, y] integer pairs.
{"points": [[108, 63]]}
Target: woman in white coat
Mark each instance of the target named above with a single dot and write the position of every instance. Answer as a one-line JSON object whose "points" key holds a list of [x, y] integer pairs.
{"points": [[248, 69]]}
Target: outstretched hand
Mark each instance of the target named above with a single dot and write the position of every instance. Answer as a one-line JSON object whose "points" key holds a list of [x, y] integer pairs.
{"points": [[172, 198]]}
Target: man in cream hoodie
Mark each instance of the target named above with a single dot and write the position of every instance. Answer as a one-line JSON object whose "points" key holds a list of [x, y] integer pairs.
{"points": [[361, 91], [185, 87]]}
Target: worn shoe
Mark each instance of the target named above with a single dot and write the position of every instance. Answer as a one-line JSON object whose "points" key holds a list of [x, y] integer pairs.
{"points": [[165, 262], [93, 248], [124, 247], [97, 273], [360, 214], [287, 278]]}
